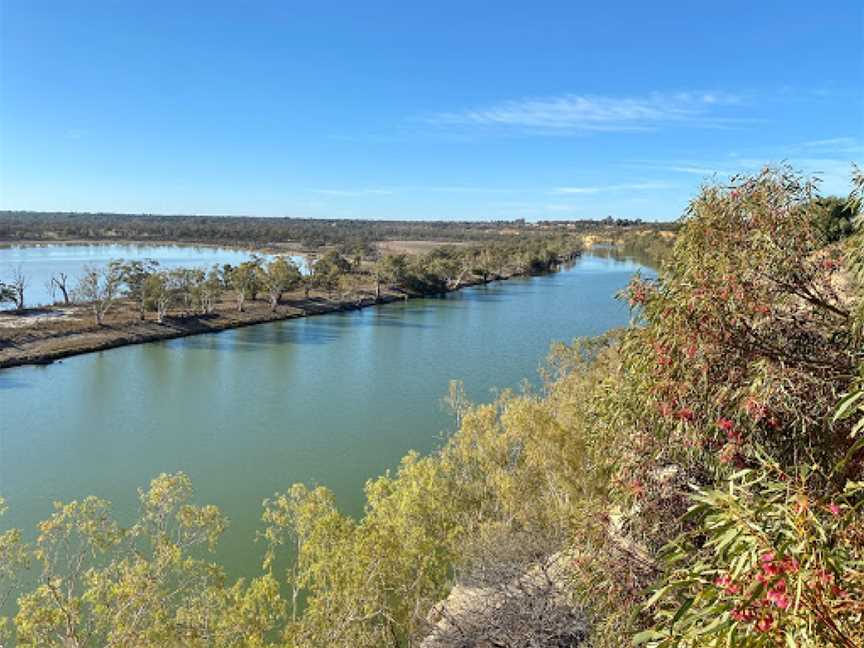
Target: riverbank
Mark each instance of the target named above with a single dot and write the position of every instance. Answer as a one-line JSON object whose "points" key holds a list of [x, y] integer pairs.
{"points": [[60, 332]]}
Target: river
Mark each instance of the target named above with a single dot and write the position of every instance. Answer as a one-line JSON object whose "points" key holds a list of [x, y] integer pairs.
{"points": [[331, 400]]}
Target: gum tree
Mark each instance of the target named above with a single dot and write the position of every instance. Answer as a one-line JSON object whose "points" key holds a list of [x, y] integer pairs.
{"points": [[134, 275], [245, 280], [279, 276], [100, 288], [327, 270]]}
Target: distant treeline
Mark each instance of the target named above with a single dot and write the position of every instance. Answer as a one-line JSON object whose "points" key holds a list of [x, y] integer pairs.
{"points": [[608, 221], [310, 233]]}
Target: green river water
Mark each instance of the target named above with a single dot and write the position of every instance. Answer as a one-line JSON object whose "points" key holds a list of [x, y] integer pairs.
{"points": [[331, 400]]}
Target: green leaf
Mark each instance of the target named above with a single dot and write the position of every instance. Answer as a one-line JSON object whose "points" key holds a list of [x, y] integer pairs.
{"points": [[657, 596], [647, 635], [682, 610], [844, 410]]}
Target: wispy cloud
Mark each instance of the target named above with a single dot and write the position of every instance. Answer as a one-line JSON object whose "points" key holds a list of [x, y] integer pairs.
{"points": [[419, 189], [836, 145], [698, 170], [573, 113], [825, 160], [636, 186], [353, 192], [831, 142]]}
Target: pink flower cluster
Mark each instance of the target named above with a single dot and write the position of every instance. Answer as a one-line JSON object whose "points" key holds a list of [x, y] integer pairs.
{"points": [[686, 414], [759, 412], [727, 585], [638, 294], [730, 454], [728, 427], [772, 573], [772, 576]]}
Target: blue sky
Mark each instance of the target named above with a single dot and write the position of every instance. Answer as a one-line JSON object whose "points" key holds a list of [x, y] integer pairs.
{"points": [[450, 110]]}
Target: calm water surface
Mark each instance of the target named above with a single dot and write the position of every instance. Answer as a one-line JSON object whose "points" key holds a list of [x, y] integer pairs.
{"points": [[330, 400], [39, 262]]}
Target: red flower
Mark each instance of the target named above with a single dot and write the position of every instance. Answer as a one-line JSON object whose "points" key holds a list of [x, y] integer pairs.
{"points": [[772, 569], [725, 424], [727, 585], [764, 624], [839, 593], [834, 508], [777, 595], [685, 414], [791, 565], [745, 615]]}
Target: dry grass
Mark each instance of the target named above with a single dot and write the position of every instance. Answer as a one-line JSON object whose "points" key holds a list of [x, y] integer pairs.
{"points": [[416, 247]]}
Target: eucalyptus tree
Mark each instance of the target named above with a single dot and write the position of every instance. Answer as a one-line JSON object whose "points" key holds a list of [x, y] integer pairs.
{"points": [[134, 274], [184, 282], [450, 270], [245, 280], [224, 272], [18, 285], [279, 276], [484, 263], [308, 283], [7, 293], [381, 274], [391, 269], [207, 291], [257, 262], [160, 292], [101, 288], [60, 281], [328, 269]]}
